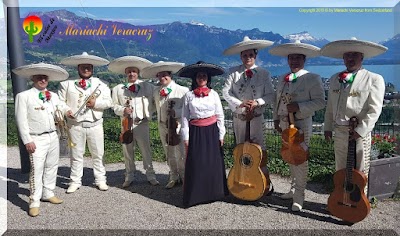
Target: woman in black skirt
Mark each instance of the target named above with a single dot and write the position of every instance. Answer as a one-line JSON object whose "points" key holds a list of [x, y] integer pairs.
{"points": [[203, 133]]}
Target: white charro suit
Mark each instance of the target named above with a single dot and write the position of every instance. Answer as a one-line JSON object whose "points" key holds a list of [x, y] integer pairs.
{"points": [[175, 154], [309, 94], [35, 121], [237, 89], [142, 104], [364, 99], [87, 126]]}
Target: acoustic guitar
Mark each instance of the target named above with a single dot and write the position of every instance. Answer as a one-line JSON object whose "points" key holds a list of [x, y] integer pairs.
{"points": [[246, 181], [348, 200]]}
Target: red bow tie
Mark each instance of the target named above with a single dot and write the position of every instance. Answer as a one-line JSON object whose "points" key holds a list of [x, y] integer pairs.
{"points": [[134, 88], [201, 92]]}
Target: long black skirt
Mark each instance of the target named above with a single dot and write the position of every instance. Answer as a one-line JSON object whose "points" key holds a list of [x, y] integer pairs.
{"points": [[205, 178]]}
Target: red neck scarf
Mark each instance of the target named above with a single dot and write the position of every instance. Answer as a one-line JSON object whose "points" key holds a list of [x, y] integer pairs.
{"points": [[45, 96], [201, 92], [248, 73]]}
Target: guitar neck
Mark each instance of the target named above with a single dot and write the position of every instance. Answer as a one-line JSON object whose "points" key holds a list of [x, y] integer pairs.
{"points": [[351, 160], [247, 134]]}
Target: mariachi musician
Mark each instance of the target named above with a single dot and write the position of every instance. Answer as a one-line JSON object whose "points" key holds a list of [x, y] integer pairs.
{"points": [[87, 97], [353, 92], [248, 87], [35, 111], [134, 100], [306, 95], [168, 98]]}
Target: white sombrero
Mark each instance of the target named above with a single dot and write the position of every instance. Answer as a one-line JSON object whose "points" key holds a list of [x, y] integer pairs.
{"points": [[84, 59], [336, 49], [120, 64], [152, 70], [247, 44], [297, 47], [55, 73]]}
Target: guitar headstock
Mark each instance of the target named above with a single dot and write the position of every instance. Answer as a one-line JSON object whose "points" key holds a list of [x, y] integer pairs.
{"points": [[353, 122], [249, 115], [171, 104]]}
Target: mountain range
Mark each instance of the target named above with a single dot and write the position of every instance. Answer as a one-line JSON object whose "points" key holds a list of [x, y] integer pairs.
{"points": [[175, 41]]}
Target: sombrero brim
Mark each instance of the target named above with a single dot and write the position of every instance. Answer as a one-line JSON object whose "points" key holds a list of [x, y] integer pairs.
{"points": [[152, 70], [84, 59], [286, 49], [336, 49], [191, 71], [120, 64], [246, 45], [55, 73]]}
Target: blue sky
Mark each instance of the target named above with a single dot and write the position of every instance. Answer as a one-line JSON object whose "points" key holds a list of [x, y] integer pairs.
{"points": [[283, 17], [283, 20]]}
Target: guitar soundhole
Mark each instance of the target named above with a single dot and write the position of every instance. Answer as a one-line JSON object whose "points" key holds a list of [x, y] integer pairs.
{"points": [[246, 160], [354, 191]]}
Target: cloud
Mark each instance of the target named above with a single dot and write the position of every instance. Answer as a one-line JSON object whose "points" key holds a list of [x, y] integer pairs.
{"points": [[138, 21]]}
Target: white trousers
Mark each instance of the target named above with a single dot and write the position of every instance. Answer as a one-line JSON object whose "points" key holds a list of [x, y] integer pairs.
{"points": [[298, 174], [176, 155], [256, 131], [141, 138], [44, 166], [363, 150], [94, 136]]}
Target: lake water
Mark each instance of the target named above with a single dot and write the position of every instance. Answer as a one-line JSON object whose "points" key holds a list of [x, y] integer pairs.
{"points": [[391, 73]]}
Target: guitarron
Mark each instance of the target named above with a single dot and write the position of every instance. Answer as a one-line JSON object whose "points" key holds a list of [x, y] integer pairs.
{"points": [[246, 181], [348, 200]]}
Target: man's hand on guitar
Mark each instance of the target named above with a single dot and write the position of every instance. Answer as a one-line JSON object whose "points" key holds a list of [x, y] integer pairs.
{"points": [[354, 135], [276, 126], [292, 107], [249, 104]]}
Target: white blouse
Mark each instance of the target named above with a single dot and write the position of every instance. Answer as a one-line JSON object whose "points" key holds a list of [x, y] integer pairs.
{"points": [[202, 107]]}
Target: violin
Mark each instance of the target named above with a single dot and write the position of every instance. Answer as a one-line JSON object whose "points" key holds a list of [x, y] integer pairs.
{"points": [[126, 136], [172, 137]]}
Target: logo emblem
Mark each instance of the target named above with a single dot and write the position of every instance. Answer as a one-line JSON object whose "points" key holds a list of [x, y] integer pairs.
{"points": [[32, 26]]}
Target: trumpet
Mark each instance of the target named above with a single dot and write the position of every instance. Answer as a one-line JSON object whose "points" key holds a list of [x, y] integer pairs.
{"points": [[96, 93], [62, 127]]}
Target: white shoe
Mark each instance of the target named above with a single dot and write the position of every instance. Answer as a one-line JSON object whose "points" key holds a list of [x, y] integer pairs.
{"points": [[172, 183], [72, 188], [297, 202], [127, 183], [287, 196], [296, 207], [102, 186], [154, 182]]}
